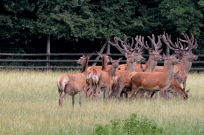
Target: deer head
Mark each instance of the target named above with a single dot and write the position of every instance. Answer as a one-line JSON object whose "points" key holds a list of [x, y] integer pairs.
{"points": [[130, 57], [82, 59], [171, 58], [155, 50], [125, 47], [191, 44], [115, 63], [104, 56], [178, 77], [185, 94]]}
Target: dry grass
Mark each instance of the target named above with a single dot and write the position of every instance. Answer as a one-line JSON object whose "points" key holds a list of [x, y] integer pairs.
{"points": [[29, 105]]}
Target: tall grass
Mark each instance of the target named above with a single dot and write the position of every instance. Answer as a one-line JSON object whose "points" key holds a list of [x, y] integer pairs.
{"points": [[29, 105]]}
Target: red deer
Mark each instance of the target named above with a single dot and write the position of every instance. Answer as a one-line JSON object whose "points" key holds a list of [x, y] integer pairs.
{"points": [[154, 81], [126, 48], [92, 75], [185, 55], [71, 84], [121, 76], [105, 79]]}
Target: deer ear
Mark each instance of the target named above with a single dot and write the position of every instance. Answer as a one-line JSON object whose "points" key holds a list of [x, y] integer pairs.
{"points": [[120, 59], [90, 55], [188, 90], [84, 54], [160, 50], [111, 60]]}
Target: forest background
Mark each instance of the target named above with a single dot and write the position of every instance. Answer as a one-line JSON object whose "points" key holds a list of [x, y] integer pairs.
{"points": [[92, 22]]}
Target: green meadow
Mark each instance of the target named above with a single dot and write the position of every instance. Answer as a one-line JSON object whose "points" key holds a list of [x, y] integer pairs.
{"points": [[29, 105]]}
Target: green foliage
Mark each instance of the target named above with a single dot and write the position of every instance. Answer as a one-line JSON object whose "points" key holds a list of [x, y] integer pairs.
{"points": [[183, 14], [99, 20], [129, 126]]}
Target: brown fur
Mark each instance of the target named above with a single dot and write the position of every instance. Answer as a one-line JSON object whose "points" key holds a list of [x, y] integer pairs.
{"points": [[71, 84], [105, 79], [122, 78], [90, 71], [153, 81]]}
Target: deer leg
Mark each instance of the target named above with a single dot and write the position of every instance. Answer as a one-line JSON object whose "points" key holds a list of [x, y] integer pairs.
{"points": [[60, 93], [86, 89], [95, 95], [119, 91], [112, 91], [91, 89], [89, 92], [132, 92], [140, 93], [72, 100], [62, 98], [162, 93], [149, 94], [80, 94], [106, 92]]}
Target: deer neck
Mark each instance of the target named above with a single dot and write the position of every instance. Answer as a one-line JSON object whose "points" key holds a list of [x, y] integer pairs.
{"points": [[151, 64], [104, 63], [85, 66], [111, 71], [168, 70], [185, 65], [130, 67]]}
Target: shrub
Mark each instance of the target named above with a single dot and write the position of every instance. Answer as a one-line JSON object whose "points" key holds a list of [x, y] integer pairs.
{"points": [[130, 126]]}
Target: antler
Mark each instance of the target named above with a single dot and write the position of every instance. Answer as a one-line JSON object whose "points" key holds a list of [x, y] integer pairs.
{"points": [[192, 42], [139, 42], [126, 46], [122, 50], [176, 47], [157, 45]]}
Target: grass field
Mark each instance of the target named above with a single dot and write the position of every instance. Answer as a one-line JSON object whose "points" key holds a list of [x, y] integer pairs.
{"points": [[29, 105]]}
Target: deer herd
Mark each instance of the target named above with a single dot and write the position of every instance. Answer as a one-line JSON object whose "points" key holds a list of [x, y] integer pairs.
{"points": [[133, 79]]}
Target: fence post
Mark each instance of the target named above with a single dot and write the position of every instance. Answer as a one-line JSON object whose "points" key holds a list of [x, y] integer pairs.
{"points": [[108, 48], [102, 49], [48, 52]]}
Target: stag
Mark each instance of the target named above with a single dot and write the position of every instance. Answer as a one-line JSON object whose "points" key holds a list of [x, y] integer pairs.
{"points": [[184, 53], [154, 57], [121, 77], [154, 81], [127, 48], [71, 84]]}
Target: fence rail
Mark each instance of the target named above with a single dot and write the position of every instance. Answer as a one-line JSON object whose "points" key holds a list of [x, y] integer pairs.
{"points": [[49, 61]]}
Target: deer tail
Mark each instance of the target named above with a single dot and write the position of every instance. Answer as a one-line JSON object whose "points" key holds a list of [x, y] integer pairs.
{"points": [[62, 81], [95, 77]]}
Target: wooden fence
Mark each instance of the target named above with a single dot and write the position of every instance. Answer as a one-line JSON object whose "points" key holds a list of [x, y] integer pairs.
{"points": [[48, 59]]}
